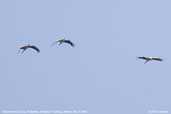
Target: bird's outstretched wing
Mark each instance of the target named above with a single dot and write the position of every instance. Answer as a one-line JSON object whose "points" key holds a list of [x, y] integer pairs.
{"points": [[142, 58], [35, 48], [145, 58], [69, 42], [158, 59]]}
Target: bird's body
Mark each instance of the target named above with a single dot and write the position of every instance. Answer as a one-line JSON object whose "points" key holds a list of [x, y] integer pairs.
{"points": [[150, 58], [63, 41], [29, 46]]}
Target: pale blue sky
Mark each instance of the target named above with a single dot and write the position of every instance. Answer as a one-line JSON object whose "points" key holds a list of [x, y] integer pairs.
{"points": [[101, 74]]}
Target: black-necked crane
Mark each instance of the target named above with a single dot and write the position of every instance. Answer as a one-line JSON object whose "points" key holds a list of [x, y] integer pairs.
{"points": [[63, 41], [28, 46], [150, 58]]}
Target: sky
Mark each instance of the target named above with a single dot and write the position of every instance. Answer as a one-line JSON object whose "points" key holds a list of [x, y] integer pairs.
{"points": [[101, 74]]}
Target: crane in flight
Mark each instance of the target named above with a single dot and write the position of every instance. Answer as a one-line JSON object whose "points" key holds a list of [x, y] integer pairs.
{"points": [[63, 41], [150, 58], [28, 46]]}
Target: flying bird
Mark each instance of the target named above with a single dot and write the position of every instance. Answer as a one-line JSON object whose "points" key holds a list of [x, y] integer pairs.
{"points": [[150, 58], [63, 41], [28, 46]]}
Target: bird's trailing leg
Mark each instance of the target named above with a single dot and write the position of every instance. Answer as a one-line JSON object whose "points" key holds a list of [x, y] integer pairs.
{"points": [[146, 61], [53, 44], [23, 50], [19, 51], [60, 43]]}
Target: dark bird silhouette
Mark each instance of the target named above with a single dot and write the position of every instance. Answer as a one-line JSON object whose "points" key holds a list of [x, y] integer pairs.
{"points": [[63, 41], [29, 46], [150, 58]]}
